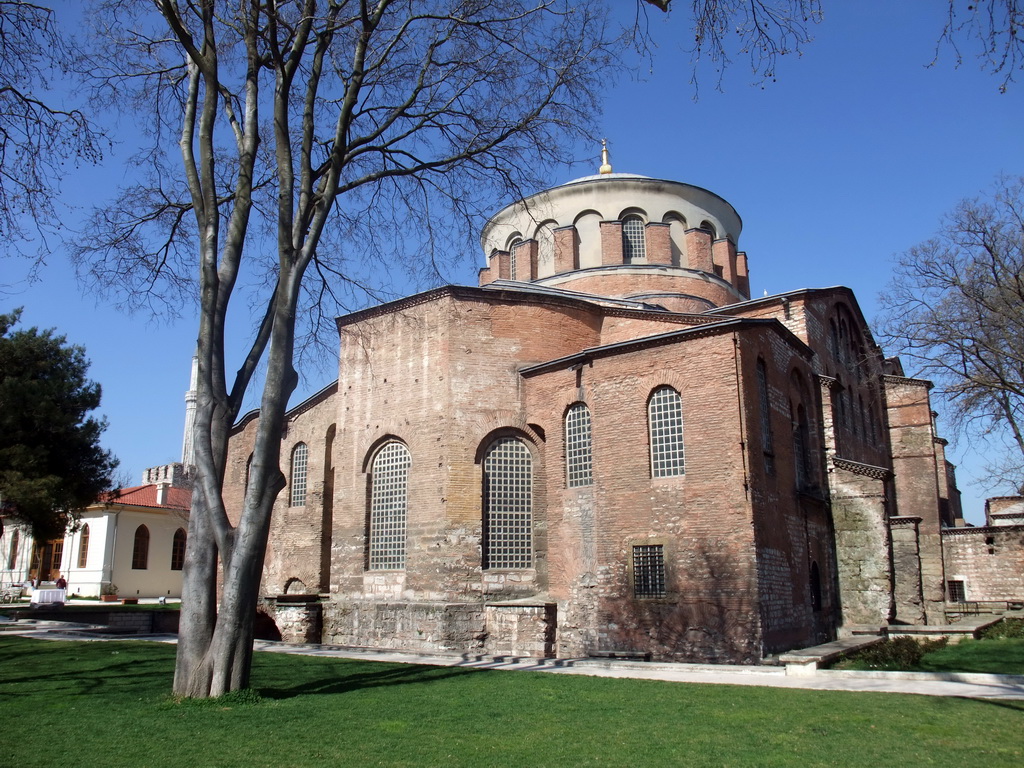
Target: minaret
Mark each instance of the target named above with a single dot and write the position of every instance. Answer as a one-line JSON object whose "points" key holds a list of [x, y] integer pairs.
{"points": [[188, 448]]}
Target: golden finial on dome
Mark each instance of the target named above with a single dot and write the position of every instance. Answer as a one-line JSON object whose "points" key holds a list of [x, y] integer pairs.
{"points": [[606, 167]]}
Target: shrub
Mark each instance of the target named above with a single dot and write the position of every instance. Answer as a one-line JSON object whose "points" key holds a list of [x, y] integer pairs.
{"points": [[898, 653], [1013, 628]]}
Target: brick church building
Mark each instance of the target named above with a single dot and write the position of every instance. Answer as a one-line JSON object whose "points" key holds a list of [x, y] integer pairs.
{"points": [[608, 446]]}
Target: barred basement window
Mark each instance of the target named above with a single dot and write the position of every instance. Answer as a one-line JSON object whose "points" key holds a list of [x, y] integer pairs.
{"points": [[578, 446], [634, 247], [956, 591], [649, 570], [766, 417], [389, 507], [300, 454], [665, 422], [178, 550], [83, 546], [508, 505], [140, 552]]}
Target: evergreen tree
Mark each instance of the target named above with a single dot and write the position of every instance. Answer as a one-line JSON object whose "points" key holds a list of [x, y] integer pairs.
{"points": [[51, 462]]}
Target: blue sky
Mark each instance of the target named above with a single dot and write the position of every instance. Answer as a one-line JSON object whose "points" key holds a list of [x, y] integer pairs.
{"points": [[850, 158]]}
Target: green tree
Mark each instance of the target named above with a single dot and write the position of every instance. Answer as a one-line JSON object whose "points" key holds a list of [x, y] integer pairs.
{"points": [[51, 462]]}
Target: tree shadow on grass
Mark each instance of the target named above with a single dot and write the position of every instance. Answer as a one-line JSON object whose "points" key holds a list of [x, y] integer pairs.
{"points": [[375, 675], [74, 667]]}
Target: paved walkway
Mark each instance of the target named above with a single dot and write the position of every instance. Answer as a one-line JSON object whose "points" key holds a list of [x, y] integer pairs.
{"points": [[968, 685]]}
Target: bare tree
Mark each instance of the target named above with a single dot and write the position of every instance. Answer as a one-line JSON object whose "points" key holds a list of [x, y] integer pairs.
{"points": [[38, 135], [995, 27], [955, 307], [760, 30], [300, 125]]}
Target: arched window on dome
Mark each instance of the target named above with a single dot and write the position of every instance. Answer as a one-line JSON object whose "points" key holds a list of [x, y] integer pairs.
{"points": [[634, 245], [512, 256]]}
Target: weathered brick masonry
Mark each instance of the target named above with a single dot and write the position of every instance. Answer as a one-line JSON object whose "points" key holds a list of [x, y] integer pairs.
{"points": [[613, 449]]}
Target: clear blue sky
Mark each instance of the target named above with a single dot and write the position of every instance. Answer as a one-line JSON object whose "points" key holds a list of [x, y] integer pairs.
{"points": [[851, 157]]}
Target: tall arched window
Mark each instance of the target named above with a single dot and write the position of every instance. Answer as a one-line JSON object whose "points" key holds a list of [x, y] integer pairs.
{"points": [[178, 550], [508, 505], [815, 587], [578, 447], [83, 546], [512, 257], [140, 552], [634, 245], [766, 417], [300, 455], [802, 446], [12, 557], [665, 423], [388, 507]]}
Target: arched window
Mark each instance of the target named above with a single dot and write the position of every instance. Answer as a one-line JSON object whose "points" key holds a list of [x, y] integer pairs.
{"points": [[140, 552], [802, 447], [508, 505], [300, 454], [178, 550], [634, 246], [12, 557], [578, 447], [766, 417], [512, 257], [665, 423], [388, 507], [83, 546]]}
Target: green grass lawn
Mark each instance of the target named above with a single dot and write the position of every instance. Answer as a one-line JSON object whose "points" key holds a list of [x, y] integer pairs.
{"points": [[107, 704]]}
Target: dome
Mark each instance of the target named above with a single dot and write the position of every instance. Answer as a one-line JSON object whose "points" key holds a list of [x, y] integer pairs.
{"points": [[622, 235]]}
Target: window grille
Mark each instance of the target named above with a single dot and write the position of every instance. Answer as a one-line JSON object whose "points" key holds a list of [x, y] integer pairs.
{"points": [[300, 454], [178, 550], [140, 552], [512, 258], [83, 546], [957, 593], [58, 555], [578, 447], [649, 570], [508, 505], [634, 246], [388, 507], [665, 421], [766, 417]]}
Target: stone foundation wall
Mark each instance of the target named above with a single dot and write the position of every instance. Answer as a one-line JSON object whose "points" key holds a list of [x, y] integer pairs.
{"points": [[422, 627], [989, 561]]}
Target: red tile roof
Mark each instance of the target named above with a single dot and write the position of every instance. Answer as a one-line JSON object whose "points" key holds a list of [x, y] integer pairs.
{"points": [[145, 496]]}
